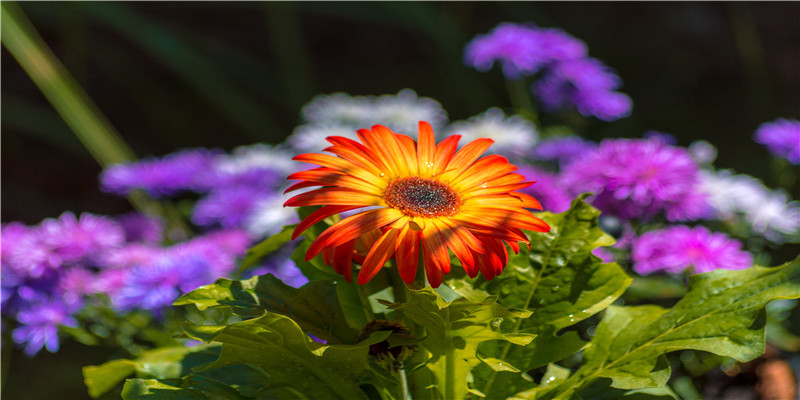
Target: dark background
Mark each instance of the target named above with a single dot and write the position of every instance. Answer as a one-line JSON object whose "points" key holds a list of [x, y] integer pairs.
{"points": [[176, 75], [213, 74]]}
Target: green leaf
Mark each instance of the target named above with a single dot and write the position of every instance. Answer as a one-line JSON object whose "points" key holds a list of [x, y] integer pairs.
{"points": [[454, 331], [152, 389], [167, 362], [267, 246], [294, 363], [315, 306], [722, 313], [562, 283]]}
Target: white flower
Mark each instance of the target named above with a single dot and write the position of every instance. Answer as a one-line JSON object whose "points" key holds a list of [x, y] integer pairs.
{"points": [[310, 138], [257, 156], [337, 108], [403, 111], [269, 217], [514, 135], [775, 215], [400, 112], [770, 213], [703, 152]]}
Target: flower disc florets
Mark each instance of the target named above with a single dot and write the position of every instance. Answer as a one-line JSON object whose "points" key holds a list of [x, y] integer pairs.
{"points": [[418, 197]]}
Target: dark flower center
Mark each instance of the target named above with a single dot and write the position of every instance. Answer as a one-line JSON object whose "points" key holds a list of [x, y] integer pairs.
{"points": [[418, 197]]}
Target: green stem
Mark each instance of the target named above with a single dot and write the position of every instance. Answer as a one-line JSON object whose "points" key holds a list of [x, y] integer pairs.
{"points": [[404, 395], [449, 371], [521, 100], [65, 95]]}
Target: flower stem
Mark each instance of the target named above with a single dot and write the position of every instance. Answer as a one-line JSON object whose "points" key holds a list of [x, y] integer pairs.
{"points": [[449, 371], [404, 395], [66, 96]]}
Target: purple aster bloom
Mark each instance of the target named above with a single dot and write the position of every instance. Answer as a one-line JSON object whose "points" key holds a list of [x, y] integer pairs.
{"points": [[221, 250], [547, 189], [522, 49], [562, 149], [782, 138], [606, 255], [129, 255], [156, 285], [110, 281], [635, 178], [258, 165], [159, 177], [142, 228], [76, 282], [73, 240], [678, 248], [39, 322], [228, 206], [585, 84]]}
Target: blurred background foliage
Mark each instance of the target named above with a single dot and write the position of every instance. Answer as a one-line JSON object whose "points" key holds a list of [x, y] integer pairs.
{"points": [[212, 74]]}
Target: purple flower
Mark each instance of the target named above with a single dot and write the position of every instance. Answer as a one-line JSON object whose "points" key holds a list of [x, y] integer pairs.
{"points": [[635, 178], [67, 240], [679, 248], [73, 240], [129, 255], [221, 250], [522, 49], [585, 84], [547, 189], [39, 322], [562, 149], [74, 283], [159, 177], [156, 285], [228, 206], [142, 228], [782, 138]]}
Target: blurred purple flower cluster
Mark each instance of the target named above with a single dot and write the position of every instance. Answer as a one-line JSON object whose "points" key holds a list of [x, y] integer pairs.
{"points": [[52, 270], [782, 138], [653, 182], [569, 78]]}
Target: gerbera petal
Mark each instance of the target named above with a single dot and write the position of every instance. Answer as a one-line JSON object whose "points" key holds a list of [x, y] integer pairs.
{"points": [[388, 139], [334, 196], [444, 152], [343, 260], [482, 171], [490, 190], [380, 252], [364, 158], [408, 256], [435, 248], [318, 215], [373, 141], [514, 199], [519, 219], [456, 244], [330, 177], [339, 164], [426, 149], [409, 149], [465, 157], [351, 228]]}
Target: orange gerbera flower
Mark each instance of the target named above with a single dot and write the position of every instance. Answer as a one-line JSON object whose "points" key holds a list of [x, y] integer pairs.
{"points": [[429, 198]]}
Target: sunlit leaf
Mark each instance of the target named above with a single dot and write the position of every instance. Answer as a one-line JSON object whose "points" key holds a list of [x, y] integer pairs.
{"points": [[562, 283], [454, 331], [315, 306], [722, 313], [167, 362], [294, 363]]}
